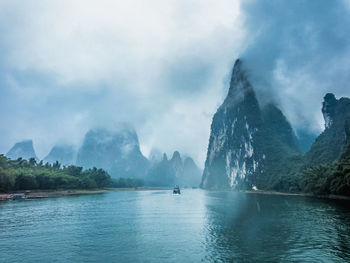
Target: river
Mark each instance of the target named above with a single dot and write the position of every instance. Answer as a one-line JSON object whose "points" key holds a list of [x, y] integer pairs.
{"points": [[156, 226]]}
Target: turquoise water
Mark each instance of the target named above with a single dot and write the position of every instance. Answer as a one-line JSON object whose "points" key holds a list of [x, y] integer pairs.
{"points": [[156, 226]]}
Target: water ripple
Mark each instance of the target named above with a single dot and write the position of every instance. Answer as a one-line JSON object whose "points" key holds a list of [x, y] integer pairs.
{"points": [[156, 226]]}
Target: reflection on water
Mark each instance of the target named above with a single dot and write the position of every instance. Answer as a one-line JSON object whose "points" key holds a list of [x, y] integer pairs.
{"points": [[156, 226], [256, 228]]}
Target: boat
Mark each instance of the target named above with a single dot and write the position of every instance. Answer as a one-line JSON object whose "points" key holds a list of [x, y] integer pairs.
{"points": [[20, 196], [176, 190]]}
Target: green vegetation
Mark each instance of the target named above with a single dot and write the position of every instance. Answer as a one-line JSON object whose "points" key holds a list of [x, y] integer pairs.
{"points": [[325, 169], [333, 178], [23, 174], [125, 183], [329, 179]]}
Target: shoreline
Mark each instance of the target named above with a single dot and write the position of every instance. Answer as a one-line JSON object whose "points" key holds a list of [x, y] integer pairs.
{"points": [[39, 194], [331, 196]]}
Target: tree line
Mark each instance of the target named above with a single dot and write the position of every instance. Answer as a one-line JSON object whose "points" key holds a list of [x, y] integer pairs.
{"points": [[297, 176], [21, 174]]}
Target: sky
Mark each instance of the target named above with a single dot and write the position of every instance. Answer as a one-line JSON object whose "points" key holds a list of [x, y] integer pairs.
{"points": [[163, 66]]}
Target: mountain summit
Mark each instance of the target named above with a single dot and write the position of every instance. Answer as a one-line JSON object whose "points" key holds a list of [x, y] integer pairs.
{"points": [[177, 170], [331, 143], [246, 138], [116, 151], [24, 150], [63, 154]]}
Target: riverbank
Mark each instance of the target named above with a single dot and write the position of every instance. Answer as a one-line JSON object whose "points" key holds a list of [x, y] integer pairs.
{"points": [[37, 194], [336, 197]]}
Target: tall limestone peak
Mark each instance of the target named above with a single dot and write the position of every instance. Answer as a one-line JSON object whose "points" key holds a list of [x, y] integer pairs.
{"points": [[174, 171], [23, 149], [278, 127], [245, 138], [155, 155], [176, 159], [176, 156], [64, 154], [165, 157], [233, 157], [116, 151], [177, 164], [239, 84], [328, 109], [330, 144]]}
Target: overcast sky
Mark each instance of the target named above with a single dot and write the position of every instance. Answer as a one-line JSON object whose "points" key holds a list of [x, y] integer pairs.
{"points": [[67, 66]]}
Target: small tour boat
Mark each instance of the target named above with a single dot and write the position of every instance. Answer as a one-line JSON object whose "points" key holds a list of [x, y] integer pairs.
{"points": [[17, 196], [176, 190]]}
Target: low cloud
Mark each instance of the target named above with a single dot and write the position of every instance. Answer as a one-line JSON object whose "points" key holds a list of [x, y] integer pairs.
{"points": [[298, 51], [68, 66], [163, 66]]}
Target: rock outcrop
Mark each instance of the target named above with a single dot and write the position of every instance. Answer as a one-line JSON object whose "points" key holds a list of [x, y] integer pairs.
{"points": [[330, 144], [246, 138]]}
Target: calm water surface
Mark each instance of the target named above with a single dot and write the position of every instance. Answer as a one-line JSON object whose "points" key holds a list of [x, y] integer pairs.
{"points": [[155, 226]]}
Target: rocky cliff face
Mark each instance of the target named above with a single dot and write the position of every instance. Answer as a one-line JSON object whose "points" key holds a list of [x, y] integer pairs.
{"points": [[329, 107], [65, 155], [118, 152], [24, 150], [330, 144], [246, 139]]}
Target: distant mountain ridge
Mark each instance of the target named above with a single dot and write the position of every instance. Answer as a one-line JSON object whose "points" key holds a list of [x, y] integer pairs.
{"points": [[176, 171], [118, 152]]}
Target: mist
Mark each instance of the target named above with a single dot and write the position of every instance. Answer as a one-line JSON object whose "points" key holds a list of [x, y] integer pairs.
{"points": [[164, 67], [297, 52], [68, 66]]}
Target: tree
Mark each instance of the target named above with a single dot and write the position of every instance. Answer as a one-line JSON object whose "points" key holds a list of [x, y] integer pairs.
{"points": [[73, 170], [56, 165], [32, 162], [25, 181], [7, 180]]}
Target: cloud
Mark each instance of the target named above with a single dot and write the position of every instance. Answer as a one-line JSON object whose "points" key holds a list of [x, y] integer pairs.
{"points": [[68, 66], [299, 50]]}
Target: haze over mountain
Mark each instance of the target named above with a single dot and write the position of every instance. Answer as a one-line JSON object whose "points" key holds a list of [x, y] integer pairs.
{"points": [[24, 150], [247, 137], [162, 67], [331, 143], [176, 171], [66, 155], [252, 145], [116, 151]]}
